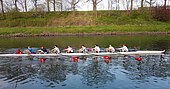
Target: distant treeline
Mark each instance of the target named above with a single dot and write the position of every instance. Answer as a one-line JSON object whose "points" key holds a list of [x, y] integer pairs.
{"points": [[73, 5]]}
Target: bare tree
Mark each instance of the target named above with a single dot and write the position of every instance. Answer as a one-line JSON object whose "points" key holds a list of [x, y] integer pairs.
{"points": [[126, 4], [150, 2], [2, 6], [95, 3], [35, 2], [54, 4], [48, 5], [131, 5], [57, 4], [15, 4], [117, 5], [165, 3], [73, 4], [9, 5], [60, 5], [110, 4], [142, 2], [23, 4]]}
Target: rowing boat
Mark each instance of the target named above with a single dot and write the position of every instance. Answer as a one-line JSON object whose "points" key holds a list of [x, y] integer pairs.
{"points": [[132, 53], [87, 54]]}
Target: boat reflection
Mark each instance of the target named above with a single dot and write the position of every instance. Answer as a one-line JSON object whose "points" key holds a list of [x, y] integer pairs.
{"points": [[96, 74], [93, 71], [150, 66]]}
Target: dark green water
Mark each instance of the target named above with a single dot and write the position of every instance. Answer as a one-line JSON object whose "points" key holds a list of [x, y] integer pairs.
{"points": [[90, 72], [144, 42]]}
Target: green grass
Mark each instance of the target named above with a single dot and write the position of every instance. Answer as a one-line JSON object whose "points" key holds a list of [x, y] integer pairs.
{"points": [[80, 22], [86, 29]]}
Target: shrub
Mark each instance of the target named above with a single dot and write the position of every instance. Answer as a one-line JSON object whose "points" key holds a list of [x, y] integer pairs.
{"points": [[161, 13]]}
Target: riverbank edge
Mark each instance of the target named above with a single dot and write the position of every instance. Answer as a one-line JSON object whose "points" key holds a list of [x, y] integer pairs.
{"points": [[83, 34]]}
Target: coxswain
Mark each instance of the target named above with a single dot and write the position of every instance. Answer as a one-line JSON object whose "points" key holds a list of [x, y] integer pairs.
{"points": [[43, 50], [56, 49], [96, 49], [124, 48], [69, 50], [83, 49], [18, 51], [110, 49]]}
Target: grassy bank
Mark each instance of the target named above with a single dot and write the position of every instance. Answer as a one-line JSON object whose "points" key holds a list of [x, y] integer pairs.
{"points": [[85, 22], [85, 29]]}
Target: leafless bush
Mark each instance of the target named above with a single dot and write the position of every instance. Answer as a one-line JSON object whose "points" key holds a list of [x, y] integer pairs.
{"points": [[161, 13]]}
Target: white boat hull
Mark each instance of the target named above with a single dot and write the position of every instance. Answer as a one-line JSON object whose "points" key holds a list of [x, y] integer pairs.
{"points": [[87, 54]]}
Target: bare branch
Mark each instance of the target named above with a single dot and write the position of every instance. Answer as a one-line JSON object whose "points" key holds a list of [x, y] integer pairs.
{"points": [[77, 2], [98, 1], [87, 0]]}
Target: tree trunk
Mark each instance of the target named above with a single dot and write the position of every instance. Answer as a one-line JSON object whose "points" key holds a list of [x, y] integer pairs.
{"points": [[150, 4], [142, 1], [61, 5], [131, 5], [54, 5], [25, 4], [126, 3], [94, 5], [73, 5], [35, 4], [15, 3], [165, 2], [48, 5], [2, 6], [117, 6]]}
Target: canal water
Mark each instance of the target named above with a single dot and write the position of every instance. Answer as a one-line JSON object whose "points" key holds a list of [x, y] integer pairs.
{"points": [[88, 72]]}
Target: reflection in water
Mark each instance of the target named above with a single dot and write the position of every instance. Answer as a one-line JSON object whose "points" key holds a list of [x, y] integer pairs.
{"points": [[161, 44], [54, 71], [63, 73], [73, 68], [143, 41], [154, 66], [95, 73], [15, 70]]}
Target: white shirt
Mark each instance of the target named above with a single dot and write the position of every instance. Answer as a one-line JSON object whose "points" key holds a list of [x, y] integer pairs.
{"points": [[111, 49], [124, 49], [97, 49], [57, 50], [69, 49], [83, 48]]}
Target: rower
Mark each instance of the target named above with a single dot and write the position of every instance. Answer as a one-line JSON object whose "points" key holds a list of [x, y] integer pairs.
{"points": [[110, 49], [56, 49], [29, 50], [69, 50], [96, 49], [43, 50], [83, 49], [18, 51], [124, 48]]}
